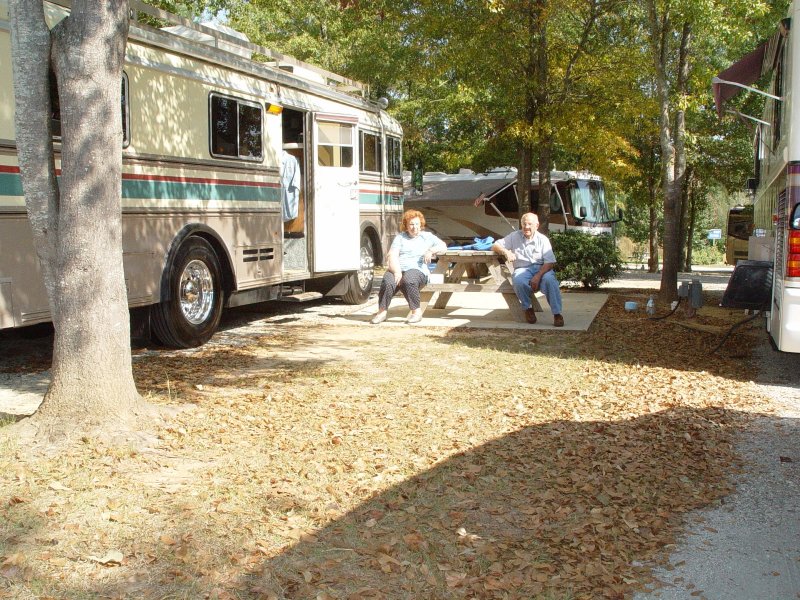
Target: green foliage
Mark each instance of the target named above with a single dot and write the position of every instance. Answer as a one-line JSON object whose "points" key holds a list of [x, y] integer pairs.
{"points": [[708, 254], [590, 260]]}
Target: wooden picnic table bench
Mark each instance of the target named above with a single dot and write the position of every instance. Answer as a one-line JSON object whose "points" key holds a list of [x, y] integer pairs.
{"points": [[456, 266]]}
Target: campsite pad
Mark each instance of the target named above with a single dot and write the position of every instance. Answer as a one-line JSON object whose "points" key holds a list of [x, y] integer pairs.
{"points": [[490, 311]]}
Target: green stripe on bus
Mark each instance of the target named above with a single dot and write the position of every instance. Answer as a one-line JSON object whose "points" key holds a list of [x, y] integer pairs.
{"points": [[10, 184], [375, 199], [178, 190]]}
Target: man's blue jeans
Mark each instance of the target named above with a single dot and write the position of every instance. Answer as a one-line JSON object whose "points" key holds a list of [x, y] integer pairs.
{"points": [[548, 285]]}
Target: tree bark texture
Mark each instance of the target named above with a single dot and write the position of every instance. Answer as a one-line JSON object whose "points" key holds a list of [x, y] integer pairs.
{"points": [[653, 259], [691, 200], [545, 159], [542, 100], [524, 178], [673, 154], [77, 221], [686, 219]]}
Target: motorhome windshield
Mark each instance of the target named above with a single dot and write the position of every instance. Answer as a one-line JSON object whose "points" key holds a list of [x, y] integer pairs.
{"points": [[591, 195]]}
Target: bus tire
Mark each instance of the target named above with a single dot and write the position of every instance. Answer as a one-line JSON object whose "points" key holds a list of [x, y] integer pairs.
{"points": [[191, 314], [359, 284]]}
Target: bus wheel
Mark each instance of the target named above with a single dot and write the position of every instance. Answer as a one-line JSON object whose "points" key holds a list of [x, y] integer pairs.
{"points": [[191, 315], [359, 284]]}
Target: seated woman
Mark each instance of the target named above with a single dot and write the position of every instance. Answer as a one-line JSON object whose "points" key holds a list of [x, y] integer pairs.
{"points": [[410, 253]]}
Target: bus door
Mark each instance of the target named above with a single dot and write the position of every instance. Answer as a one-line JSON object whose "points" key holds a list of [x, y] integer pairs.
{"points": [[336, 222]]}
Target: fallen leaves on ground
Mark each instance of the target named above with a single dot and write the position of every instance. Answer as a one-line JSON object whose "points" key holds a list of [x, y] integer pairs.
{"points": [[354, 462]]}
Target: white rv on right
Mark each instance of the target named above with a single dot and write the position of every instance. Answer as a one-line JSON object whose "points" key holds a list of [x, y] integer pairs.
{"points": [[776, 182]]}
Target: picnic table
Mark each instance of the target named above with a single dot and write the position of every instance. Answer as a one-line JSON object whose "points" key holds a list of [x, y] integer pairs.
{"points": [[458, 268]]}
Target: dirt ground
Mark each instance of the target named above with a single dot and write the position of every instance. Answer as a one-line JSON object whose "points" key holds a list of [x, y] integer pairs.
{"points": [[313, 460]]}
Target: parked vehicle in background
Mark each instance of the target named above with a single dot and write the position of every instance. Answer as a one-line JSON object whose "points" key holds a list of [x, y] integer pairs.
{"points": [[740, 228], [460, 207], [208, 135], [776, 218]]}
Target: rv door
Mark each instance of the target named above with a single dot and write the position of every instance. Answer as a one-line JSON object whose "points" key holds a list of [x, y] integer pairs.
{"points": [[336, 212]]}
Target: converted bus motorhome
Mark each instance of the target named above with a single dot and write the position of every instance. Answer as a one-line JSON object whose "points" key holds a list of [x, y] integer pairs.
{"points": [[739, 229], [776, 219], [464, 206], [207, 132]]}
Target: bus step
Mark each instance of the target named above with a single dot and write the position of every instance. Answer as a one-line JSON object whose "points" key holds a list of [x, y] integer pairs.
{"points": [[301, 297]]}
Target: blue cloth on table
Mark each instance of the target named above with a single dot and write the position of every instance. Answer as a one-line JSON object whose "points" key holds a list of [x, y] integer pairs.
{"points": [[479, 244]]}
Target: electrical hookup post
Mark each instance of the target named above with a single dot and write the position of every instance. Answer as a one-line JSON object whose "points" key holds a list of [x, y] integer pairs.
{"points": [[691, 292]]}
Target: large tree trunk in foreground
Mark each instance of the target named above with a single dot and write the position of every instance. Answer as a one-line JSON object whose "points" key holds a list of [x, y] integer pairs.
{"points": [[77, 223]]}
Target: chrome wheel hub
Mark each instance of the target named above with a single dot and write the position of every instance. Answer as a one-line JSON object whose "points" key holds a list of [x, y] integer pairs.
{"points": [[196, 293]]}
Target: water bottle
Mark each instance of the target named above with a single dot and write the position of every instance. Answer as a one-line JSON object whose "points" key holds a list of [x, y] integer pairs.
{"points": [[651, 306]]}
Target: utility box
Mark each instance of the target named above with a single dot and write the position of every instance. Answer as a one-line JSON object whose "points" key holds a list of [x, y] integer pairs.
{"points": [[693, 292]]}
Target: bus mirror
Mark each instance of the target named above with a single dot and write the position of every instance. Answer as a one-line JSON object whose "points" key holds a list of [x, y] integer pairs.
{"points": [[795, 222], [620, 214], [582, 212], [752, 184]]}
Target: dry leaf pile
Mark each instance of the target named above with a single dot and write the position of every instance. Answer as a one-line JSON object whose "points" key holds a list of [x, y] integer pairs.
{"points": [[382, 462]]}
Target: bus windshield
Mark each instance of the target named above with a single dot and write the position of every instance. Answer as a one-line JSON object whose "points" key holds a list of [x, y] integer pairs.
{"points": [[590, 194]]}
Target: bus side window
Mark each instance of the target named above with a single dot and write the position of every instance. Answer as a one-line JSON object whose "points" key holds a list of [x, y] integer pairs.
{"points": [[236, 128], [55, 105], [126, 113], [55, 108], [394, 158], [370, 159]]}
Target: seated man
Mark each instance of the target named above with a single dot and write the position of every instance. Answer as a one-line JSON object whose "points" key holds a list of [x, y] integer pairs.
{"points": [[533, 261]]}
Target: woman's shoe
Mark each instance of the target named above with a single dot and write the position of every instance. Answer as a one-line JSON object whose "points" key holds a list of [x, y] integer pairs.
{"points": [[414, 317], [380, 317]]}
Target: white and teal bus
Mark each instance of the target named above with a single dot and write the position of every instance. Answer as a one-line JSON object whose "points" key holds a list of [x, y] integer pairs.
{"points": [[208, 132], [776, 221]]}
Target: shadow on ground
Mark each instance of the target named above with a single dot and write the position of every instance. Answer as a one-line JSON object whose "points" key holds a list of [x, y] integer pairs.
{"points": [[561, 509]]}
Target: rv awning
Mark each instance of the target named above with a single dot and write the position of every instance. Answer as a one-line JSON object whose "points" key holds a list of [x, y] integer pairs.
{"points": [[456, 191], [749, 69], [746, 72]]}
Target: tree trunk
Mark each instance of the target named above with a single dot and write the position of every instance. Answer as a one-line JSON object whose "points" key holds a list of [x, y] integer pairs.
{"points": [[660, 40], [77, 222], [674, 193], [543, 212], [692, 216], [673, 155], [524, 178], [687, 220], [653, 260], [542, 96]]}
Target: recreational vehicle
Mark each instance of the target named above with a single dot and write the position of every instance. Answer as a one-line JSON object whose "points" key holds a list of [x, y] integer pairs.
{"points": [[739, 230], [208, 133], [464, 206], [775, 235]]}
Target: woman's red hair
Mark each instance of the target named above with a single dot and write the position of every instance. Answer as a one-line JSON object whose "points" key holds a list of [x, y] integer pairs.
{"points": [[412, 214]]}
